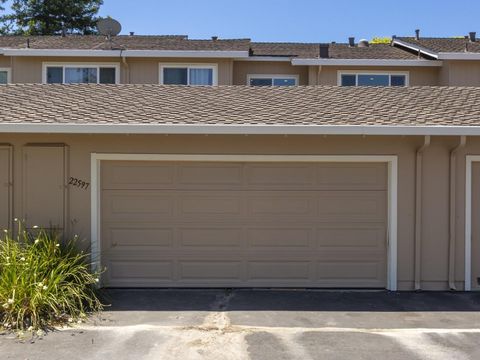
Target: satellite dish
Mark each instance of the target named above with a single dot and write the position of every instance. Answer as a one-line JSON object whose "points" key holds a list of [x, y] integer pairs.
{"points": [[109, 27]]}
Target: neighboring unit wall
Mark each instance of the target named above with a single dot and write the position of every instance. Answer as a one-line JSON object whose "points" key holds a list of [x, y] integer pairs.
{"points": [[243, 68], [460, 73], [418, 76], [135, 71]]}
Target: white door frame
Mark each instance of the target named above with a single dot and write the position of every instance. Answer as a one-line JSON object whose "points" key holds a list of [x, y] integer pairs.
{"points": [[470, 159], [390, 160]]}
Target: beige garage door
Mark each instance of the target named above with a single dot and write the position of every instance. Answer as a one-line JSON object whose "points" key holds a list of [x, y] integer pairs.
{"points": [[190, 224]]}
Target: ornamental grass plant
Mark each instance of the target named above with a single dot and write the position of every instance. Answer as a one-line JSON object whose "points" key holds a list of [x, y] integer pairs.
{"points": [[44, 282]]}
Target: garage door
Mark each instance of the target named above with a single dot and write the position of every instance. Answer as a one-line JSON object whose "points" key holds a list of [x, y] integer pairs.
{"points": [[187, 224]]}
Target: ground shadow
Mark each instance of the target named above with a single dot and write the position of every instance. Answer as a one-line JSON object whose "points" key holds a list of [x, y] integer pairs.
{"points": [[286, 300]]}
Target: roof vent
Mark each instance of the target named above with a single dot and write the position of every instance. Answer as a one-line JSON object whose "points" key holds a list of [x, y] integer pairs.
{"points": [[132, 33], [324, 51], [363, 43], [351, 41], [417, 34], [472, 36], [214, 38]]}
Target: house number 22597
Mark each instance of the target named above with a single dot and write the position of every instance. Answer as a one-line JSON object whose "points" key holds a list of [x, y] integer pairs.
{"points": [[78, 183]]}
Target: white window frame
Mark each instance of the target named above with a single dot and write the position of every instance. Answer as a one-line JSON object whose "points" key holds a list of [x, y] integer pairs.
{"points": [[96, 160], [90, 65], [273, 77], [374, 72], [9, 75], [188, 66]]}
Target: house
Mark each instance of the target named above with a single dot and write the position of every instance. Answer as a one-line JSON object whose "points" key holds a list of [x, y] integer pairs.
{"points": [[311, 180]]}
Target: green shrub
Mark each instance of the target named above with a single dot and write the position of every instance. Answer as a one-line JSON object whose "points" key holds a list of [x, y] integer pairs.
{"points": [[44, 282]]}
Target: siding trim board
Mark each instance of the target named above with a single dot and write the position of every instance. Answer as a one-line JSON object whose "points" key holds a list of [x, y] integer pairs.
{"points": [[390, 160], [470, 160]]}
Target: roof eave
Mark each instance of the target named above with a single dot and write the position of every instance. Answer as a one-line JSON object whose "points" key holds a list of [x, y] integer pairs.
{"points": [[366, 62], [239, 129]]}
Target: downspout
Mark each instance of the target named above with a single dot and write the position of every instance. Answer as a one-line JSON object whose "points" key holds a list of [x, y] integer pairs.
{"points": [[453, 215], [418, 211], [127, 67]]}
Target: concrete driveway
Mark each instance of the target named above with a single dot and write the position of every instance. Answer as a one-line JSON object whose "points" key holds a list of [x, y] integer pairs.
{"points": [[266, 324]]}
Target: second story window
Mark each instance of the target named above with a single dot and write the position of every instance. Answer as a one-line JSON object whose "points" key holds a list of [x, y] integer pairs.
{"points": [[4, 76], [179, 74], [272, 80], [372, 79], [81, 74]]}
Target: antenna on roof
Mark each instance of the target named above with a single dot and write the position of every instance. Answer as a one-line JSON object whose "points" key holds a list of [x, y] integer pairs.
{"points": [[109, 27]]}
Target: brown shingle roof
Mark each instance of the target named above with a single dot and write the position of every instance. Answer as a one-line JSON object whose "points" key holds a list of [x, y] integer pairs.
{"points": [[239, 105], [374, 51], [444, 44], [136, 42], [336, 51], [181, 42]]}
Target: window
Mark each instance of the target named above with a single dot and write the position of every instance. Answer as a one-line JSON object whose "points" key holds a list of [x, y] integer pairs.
{"points": [[272, 80], [81, 74], [372, 79], [4, 76], [180, 74]]}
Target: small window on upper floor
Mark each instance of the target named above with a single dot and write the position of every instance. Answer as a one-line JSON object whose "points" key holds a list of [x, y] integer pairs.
{"points": [[272, 80], [373, 79], [81, 74], [4, 76], [179, 74]]}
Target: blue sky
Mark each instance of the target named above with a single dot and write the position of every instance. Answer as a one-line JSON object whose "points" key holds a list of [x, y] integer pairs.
{"points": [[296, 20]]}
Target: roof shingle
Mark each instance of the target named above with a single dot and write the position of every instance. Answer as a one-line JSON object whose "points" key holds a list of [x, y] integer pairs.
{"points": [[239, 105]]}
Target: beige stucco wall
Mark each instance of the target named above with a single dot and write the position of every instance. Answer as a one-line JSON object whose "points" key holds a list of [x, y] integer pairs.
{"points": [[418, 76], [243, 68], [141, 71], [460, 73], [5, 61], [435, 200]]}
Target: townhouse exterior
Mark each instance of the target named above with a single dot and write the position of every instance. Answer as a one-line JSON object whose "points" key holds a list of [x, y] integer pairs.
{"points": [[280, 165]]}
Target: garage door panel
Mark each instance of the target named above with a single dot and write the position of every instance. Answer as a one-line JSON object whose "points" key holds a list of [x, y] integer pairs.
{"points": [[352, 206], [131, 236], [353, 176], [133, 174], [280, 237], [286, 176], [210, 269], [215, 204], [349, 270], [210, 237], [352, 237], [246, 224], [136, 204], [121, 271], [278, 270], [209, 175]]}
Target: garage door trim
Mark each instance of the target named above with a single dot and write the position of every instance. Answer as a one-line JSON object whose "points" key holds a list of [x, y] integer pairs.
{"points": [[390, 160]]}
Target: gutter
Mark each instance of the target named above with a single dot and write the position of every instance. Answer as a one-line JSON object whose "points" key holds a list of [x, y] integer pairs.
{"points": [[365, 62], [418, 211], [453, 213], [126, 53], [112, 128]]}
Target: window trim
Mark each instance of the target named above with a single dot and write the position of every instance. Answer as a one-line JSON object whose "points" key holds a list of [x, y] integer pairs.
{"points": [[189, 66], [91, 65], [9, 74], [296, 77], [374, 72]]}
